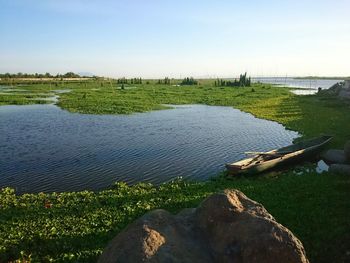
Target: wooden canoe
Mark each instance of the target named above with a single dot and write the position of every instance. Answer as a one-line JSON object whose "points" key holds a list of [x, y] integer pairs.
{"points": [[279, 157]]}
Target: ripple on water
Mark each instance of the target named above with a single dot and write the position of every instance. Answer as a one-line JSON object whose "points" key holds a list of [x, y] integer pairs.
{"points": [[44, 148]]}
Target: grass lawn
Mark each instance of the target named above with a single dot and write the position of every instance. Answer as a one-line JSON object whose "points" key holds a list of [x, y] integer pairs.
{"points": [[76, 226]]}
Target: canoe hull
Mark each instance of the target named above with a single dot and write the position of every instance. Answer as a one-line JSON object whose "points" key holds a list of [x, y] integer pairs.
{"points": [[311, 150]]}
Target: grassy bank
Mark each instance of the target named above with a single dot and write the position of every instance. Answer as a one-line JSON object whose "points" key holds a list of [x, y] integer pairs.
{"points": [[76, 226]]}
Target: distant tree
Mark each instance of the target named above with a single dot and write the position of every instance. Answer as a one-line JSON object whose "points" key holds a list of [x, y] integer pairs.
{"points": [[122, 81], [71, 75], [189, 81], [39, 75], [166, 81], [242, 82]]}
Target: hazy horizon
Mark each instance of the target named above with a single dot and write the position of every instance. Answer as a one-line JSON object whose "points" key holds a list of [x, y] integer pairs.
{"points": [[153, 39]]}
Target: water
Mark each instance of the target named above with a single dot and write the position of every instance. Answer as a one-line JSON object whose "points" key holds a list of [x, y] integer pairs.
{"points": [[7, 90], [303, 86], [44, 148], [301, 91]]}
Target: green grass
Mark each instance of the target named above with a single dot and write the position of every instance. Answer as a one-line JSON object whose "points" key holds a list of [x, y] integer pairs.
{"points": [[79, 224]]}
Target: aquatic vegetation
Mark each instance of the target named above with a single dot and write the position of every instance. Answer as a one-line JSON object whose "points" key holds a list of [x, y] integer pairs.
{"points": [[75, 226], [71, 227], [106, 97]]}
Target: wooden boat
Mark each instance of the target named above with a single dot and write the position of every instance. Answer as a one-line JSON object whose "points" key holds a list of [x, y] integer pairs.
{"points": [[263, 161]]}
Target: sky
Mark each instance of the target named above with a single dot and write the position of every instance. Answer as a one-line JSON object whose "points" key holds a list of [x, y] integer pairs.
{"points": [[176, 38]]}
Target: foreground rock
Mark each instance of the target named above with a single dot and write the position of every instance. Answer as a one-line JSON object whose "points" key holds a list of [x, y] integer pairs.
{"points": [[340, 169], [226, 227], [334, 156]]}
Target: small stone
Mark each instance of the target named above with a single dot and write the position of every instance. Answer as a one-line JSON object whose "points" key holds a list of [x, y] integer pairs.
{"points": [[347, 151], [340, 169], [334, 156]]}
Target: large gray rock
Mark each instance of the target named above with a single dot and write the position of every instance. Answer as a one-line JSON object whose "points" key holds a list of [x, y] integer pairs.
{"points": [[346, 84], [340, 169], [347, 151], [226, 227], [334, 156], [340, 89], [344, 94], [335, 89]]}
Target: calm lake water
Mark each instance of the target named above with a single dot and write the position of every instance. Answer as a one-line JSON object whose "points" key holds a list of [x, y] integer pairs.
{"points": [[303, 86], [44, 148]]}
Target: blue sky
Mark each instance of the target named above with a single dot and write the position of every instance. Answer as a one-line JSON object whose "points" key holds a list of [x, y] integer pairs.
{"points": [[160, 38]]}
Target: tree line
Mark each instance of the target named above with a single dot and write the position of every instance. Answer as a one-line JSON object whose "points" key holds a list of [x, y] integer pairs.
{"points": [[165, 81], [243, 81], [189, 81], [131, 81], [20, 75]]}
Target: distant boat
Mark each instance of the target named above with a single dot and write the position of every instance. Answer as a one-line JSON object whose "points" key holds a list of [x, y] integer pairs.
{"points": [[262, 161]]}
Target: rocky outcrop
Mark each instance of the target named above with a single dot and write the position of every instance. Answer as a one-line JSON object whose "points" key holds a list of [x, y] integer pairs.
{"points": [[226, 227]]}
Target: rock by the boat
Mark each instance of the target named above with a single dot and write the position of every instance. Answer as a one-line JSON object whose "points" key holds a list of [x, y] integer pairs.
{"points": [[226, 227], [347, 150], [345, 91], [335, 89], [340, 169], [340, 89], [334, 156]]}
